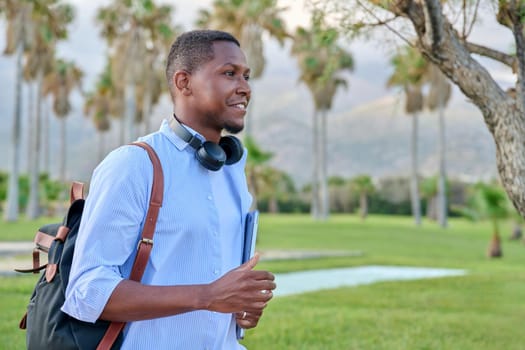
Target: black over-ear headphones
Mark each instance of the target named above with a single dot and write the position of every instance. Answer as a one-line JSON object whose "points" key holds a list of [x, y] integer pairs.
{"points": [[212, 156]]}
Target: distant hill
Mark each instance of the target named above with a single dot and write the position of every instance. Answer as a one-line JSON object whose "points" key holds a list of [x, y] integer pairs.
{"points": [[370, 138], [374, 138]]}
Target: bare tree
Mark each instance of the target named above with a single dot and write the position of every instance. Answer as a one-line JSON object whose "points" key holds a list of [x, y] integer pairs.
{"points": [[444, 41]]}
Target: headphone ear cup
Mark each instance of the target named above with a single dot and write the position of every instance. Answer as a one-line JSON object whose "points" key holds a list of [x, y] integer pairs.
{"points": [[233, 148], [211, 156]]}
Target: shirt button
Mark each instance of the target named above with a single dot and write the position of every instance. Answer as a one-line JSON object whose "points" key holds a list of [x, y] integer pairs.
{"points": [[215, 272], [210, 198], [215, 233]]}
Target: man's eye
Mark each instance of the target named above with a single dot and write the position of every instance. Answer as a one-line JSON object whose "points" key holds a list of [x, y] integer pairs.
{"points": [[229, 73], [246, 77]]}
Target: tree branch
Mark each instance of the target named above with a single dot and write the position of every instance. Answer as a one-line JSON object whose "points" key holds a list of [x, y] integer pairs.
{"points": [[496, 55], [474, 17], [433, 23], [387, 22]]}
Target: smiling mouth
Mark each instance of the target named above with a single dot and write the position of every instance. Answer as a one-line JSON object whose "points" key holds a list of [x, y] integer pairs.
{"points": [[241, 106]]}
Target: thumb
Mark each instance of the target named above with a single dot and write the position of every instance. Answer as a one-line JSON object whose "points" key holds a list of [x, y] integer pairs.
{"points": [[250, 264]]}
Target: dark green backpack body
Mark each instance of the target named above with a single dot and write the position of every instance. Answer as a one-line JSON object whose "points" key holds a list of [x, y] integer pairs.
{"points": [[47, 326]]}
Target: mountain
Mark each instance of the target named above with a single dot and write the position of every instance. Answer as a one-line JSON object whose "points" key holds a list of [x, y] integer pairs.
{"points": [[374, 138], [363, 138]]}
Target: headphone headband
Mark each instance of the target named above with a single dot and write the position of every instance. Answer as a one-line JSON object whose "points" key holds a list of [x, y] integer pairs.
{"points": [[210, 155], [184, 133]]}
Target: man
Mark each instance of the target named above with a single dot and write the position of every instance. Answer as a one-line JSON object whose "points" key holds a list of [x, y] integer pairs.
{"points": [[193, 293]]}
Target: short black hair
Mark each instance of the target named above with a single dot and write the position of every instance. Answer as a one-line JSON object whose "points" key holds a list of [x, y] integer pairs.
{"points": [[193, 48]]}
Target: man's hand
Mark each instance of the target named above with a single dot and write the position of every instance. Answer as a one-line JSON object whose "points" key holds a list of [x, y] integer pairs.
{"points": [[244, 292]]}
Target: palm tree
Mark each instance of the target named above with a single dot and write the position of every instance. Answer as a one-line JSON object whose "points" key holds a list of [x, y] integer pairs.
{"points": [[59, 83], [255, 165], [429, 192], [489, 201], [438, 97], [100, 105], [18, 31], [321, 62], [275, 186], [409, 73], [97, 107], [50, 18], [247, 20], [133, 29], [363, 185]]}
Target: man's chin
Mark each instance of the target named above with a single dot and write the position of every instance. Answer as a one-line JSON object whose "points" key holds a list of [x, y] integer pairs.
{"points": [[233, 129]]}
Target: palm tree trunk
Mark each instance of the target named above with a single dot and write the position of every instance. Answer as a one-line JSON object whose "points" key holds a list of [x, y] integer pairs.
{"points": [[101, 145], [146, 108], [129, 117], [315, 167], [62, 151], [11, 211], [494, 249], [30, 124], [252, 180], [363, 205], [122, 132], [414, 185], [323, 188], [431, 208], [45, 137], [442, 190], [248, 119], [33, 206]]}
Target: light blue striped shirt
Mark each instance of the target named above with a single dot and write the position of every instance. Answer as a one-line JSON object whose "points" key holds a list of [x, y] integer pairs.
{"points": [[197, 239]]}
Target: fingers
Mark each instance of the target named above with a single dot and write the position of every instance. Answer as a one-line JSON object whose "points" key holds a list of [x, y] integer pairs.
{"points": [[248, 319], [250, 264]]}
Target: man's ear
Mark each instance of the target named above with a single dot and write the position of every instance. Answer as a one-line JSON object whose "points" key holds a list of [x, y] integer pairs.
{"points": [[181, 81]]}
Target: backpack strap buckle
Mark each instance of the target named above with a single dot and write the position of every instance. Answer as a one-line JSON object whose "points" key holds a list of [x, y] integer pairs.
{"points": [[145, 241]]}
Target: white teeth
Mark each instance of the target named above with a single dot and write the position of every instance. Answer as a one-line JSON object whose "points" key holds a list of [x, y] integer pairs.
{"points": [[241, 106]]}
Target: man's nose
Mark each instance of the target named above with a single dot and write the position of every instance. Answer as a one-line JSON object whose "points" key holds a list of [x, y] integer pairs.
{"points": [[244, 87]]}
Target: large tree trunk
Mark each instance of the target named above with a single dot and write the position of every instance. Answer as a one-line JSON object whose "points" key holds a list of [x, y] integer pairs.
{"points": [[11, 211], [33, 206], [414, 183], [503, 114]]}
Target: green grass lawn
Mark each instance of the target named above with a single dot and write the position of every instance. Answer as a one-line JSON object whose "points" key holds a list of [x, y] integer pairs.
{"points": [[482, 310]]}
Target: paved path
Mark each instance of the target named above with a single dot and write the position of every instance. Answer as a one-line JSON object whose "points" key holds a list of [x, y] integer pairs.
{"points": [[15, 255], [309, 281], [18, 255]]}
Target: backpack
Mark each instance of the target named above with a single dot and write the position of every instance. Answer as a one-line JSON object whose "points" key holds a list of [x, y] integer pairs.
{"points": [[47, 326]]}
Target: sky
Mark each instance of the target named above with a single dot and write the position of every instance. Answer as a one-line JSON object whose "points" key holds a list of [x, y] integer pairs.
{"points": [[87, 49], [366, 83]]}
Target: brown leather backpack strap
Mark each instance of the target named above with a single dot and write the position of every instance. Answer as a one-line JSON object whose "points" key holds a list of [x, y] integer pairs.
{"points": [[146, 243], [76, 192], [111, 335]]}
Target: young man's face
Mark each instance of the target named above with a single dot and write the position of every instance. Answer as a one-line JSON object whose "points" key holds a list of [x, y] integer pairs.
{"points": [[220, 89]]}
